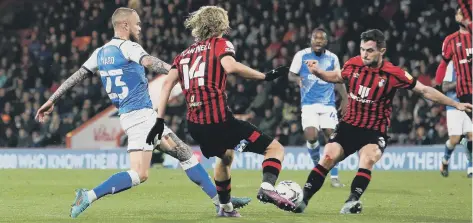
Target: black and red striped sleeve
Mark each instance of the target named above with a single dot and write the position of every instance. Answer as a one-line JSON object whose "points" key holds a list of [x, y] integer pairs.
{"points": [[223, 47]]}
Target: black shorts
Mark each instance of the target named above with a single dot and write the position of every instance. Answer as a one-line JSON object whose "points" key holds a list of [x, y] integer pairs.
{"points": [[353, 138], [467, 98], [215, 139]]}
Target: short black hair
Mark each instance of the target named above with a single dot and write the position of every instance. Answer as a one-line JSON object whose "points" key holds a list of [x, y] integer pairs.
{"points": [[375, 35], [319, 29]]}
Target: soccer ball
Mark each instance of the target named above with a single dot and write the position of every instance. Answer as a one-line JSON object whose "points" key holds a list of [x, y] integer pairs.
{"points": [[291, 191]]}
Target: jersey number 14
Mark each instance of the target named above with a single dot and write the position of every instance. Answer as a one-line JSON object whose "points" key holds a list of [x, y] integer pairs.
{"points": [[192, 73]]}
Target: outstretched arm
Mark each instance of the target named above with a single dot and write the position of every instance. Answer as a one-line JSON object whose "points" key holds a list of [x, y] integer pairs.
{"points": [[74, 79], [155, 64], [435, 96], [169, 82]]}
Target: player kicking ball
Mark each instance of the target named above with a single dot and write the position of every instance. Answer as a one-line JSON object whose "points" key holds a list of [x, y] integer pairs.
{"points": [[458, 123], [120, 64], [202, 71], [373, 83]]}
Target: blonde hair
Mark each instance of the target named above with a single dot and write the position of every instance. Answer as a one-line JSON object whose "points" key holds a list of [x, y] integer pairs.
{"points": [[208, 21], [120, 15]]}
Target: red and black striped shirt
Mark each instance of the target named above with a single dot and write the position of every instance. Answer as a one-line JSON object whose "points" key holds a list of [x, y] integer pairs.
{"points": [[457, 47], [203, 80], [371, 91]]}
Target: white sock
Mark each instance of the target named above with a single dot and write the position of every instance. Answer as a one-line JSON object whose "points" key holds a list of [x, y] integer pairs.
{"points": [[228, 207], [469, 170], [215, 200], [189, 163], [135, 178], [267, 186], [91, 195], [312, 145], [333, 177]]}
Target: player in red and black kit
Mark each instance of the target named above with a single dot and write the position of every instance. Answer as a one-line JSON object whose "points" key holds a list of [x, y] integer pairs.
{"points": [[202, 71], [457, 48], [372, 84], [465, 7]]}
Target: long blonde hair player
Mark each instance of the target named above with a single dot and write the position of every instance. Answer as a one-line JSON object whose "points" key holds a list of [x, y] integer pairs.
{"points": [[120, 64]]}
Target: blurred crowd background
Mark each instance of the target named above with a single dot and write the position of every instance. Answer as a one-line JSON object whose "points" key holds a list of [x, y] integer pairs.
{"points": [[44, 42]]}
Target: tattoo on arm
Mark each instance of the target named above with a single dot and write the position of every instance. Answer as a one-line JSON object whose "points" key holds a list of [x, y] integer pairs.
{"points": [[75, 78], [157, 65]]}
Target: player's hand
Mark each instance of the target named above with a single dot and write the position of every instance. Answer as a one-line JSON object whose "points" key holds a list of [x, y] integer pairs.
{"points": [[45, 109], [276, 73], [463, 107], [312, 65], [157, 129]]}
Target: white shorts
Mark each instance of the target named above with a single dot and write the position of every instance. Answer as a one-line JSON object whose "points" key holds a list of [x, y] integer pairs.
{"points": [[319, 116], [458, 123], [137, 125]]}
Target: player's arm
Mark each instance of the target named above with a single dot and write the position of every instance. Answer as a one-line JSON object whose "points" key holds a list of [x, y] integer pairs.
{"points": [[169, 82], [135, 52], [87, 70], [446, 57], [342, 91], [155, 64], [166, 89], [448, 86], [435, 96], [333, 76], [294, 78], [231, 66]]}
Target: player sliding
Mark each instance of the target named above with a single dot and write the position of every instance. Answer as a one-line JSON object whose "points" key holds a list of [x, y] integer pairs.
{"points": [[373, 83], [120, 64], [202, 71]]}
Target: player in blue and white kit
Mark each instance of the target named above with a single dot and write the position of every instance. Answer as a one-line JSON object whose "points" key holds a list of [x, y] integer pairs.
{"points": [[120, 64], [317, 96], [458, 123]]}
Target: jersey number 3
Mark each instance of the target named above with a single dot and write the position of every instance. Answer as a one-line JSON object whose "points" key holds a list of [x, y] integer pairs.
{"points": [[192, 73]]}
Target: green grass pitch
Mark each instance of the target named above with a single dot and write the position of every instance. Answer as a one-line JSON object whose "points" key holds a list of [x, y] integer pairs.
{"points": [[168, 196]]}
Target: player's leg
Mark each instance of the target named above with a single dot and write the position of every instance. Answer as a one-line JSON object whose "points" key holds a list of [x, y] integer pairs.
{"points": [[467, 130], [310, 124], [222, 178], [369, 155], [175, 147], [467, 99], [455, 119], [328, 122], [333, 153], [467, 145], [138, 173], [334, 179], [452, 141]]}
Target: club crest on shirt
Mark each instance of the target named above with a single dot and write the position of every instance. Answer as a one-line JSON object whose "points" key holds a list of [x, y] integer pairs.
{"points": [[381, 82]]}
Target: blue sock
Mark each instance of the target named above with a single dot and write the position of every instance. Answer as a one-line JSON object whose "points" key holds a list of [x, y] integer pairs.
{"points": [[196, 172], [314, 151], [448, 150], [334, 172], [117, 183]]}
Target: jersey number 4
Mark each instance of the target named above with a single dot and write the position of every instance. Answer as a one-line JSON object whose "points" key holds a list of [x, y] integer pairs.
{"points": [[113, 81], [192, 73]]}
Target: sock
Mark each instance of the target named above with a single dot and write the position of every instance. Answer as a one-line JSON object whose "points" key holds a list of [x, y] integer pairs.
{"points": [[115, 184], [196, 172], [448, 151], [314, 182], [468, 147], [334, 172], [223, 189], [314, 151], [470, 168], [271, 169], [359, 184]]}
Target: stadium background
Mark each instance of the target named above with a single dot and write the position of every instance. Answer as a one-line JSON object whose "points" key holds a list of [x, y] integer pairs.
{"points": [[43, 42]]}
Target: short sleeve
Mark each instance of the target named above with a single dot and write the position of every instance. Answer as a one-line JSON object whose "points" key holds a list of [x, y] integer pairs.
{"points": [[133, 51], [91, 64], [403, 79], [348, 68], [336, 62], [223, 48], [447, 49], [296, 63]]}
